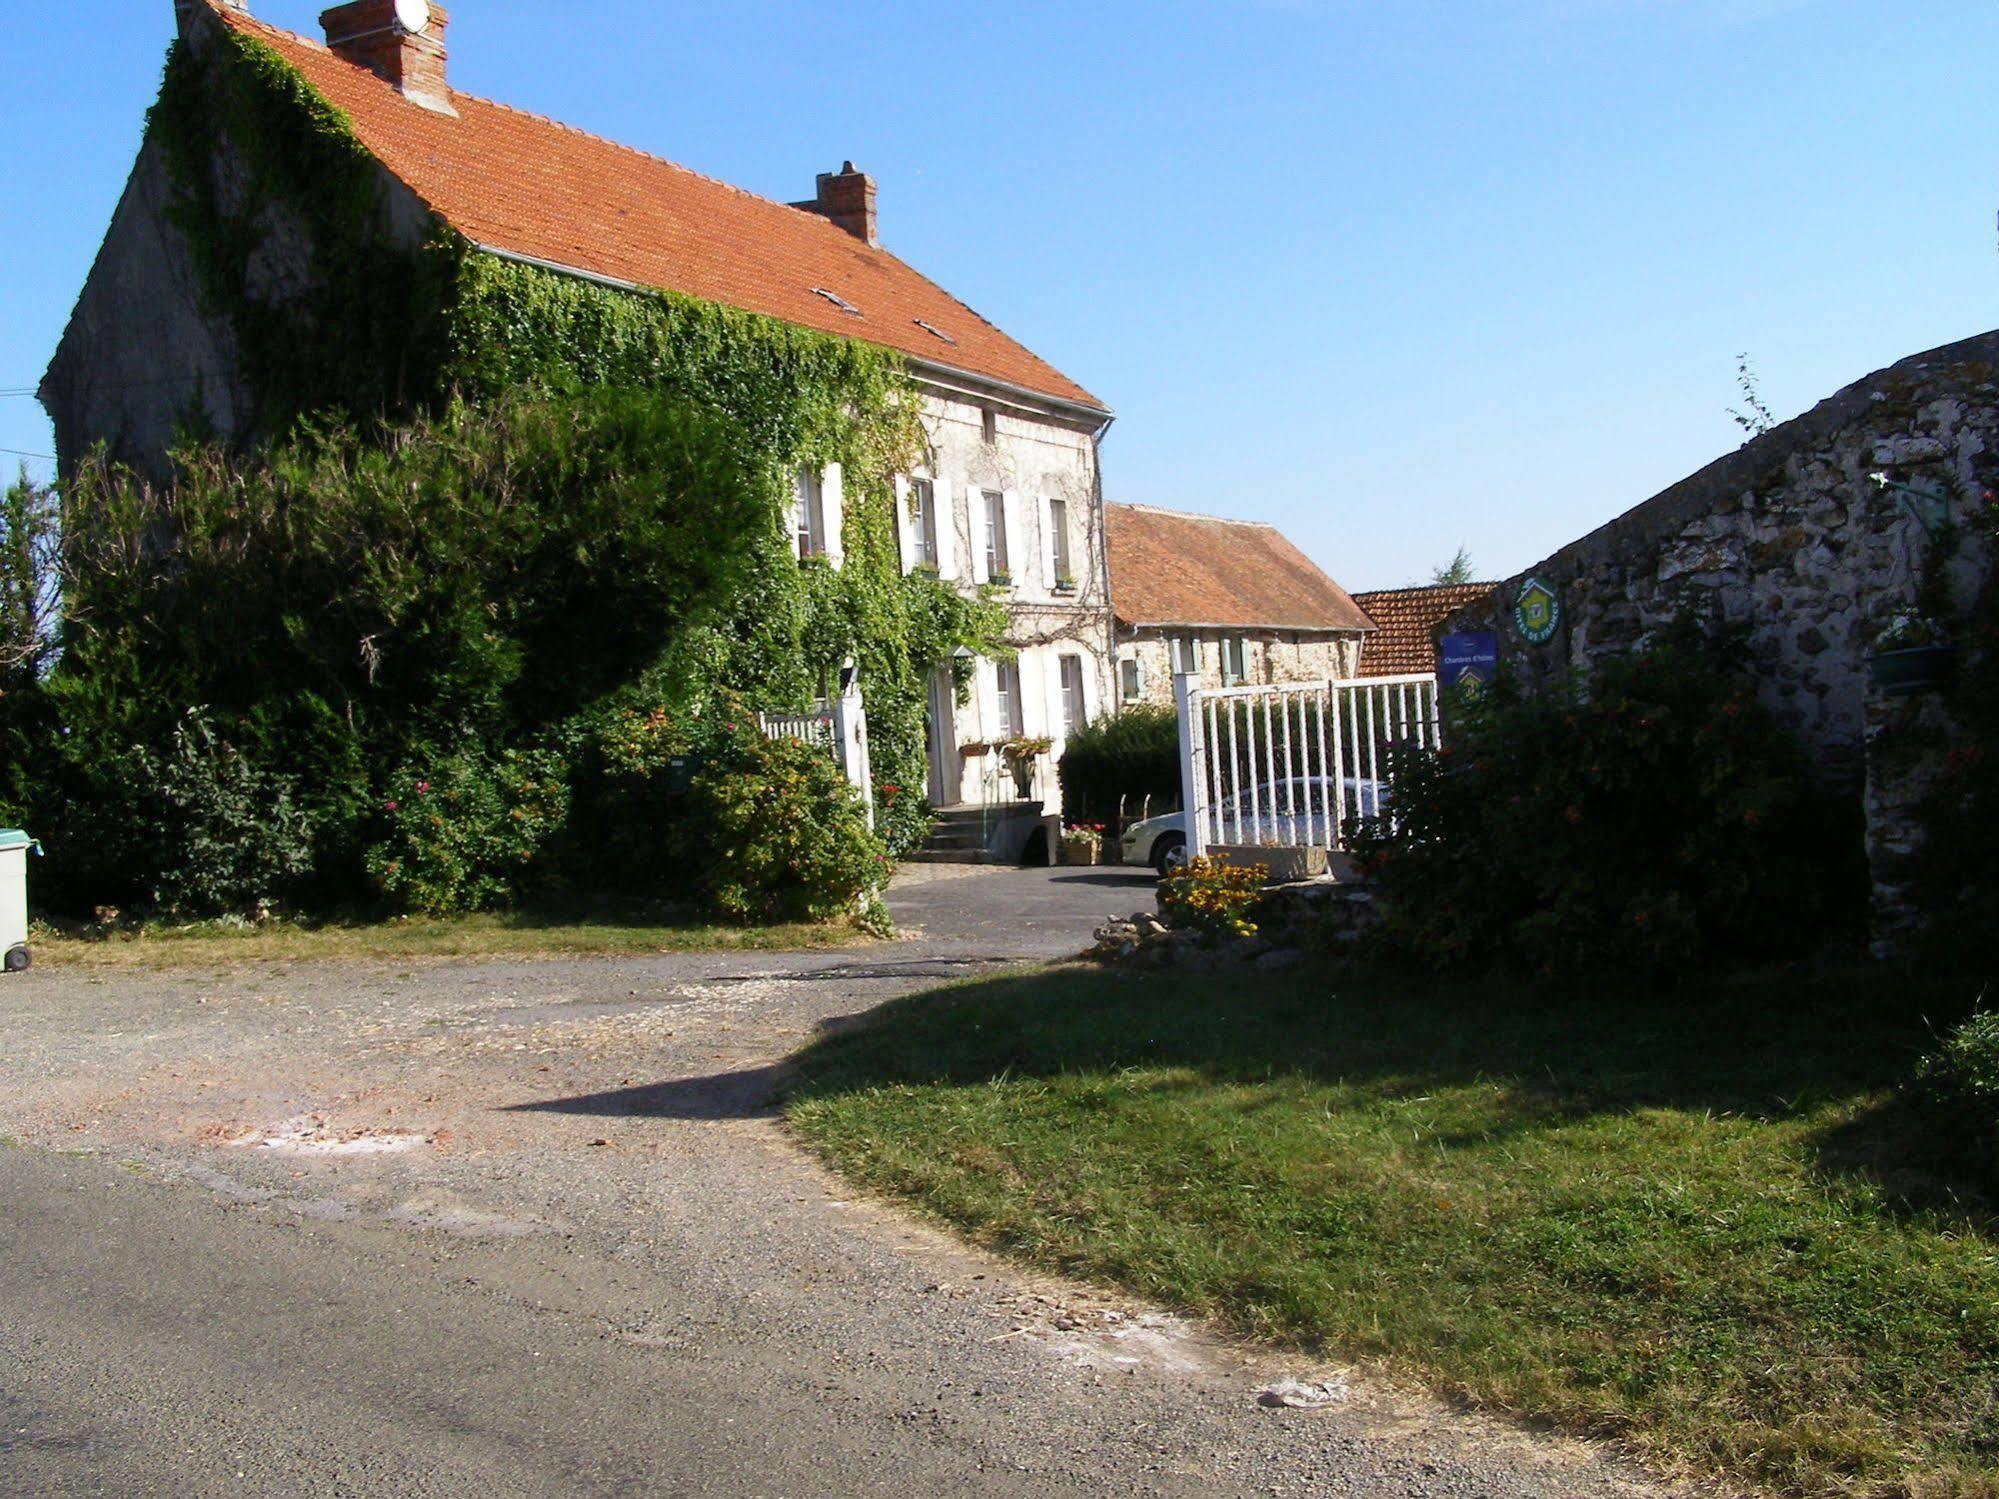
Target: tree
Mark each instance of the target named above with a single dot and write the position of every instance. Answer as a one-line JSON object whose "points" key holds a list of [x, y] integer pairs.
{"points": [[1458, 570], [30, 586]]}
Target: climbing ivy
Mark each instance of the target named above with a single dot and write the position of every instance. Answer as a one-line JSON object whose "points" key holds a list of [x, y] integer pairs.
{"points": [[286, 217]]}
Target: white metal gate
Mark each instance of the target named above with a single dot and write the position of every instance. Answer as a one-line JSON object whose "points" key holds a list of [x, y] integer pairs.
{"points": [[1294, 763]]}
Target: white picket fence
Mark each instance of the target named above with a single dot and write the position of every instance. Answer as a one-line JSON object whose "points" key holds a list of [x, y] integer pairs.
{"points": [[813, 728], [1294, 764]]}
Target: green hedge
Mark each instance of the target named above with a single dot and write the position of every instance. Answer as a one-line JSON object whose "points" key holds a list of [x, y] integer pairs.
{"points": [[1132, 754], [1652, 817]]}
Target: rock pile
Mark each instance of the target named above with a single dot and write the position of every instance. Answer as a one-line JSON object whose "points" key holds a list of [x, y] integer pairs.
{"points": [[1293, 922]]}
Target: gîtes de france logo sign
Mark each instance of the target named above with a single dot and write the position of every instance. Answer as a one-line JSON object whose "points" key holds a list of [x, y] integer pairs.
{"points": [[1537, 612]]}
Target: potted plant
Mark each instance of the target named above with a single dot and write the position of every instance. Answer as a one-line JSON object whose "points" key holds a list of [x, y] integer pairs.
{"points": [[1082, 843], [1911, 656], [1065, 584], [1020, 755], [1001, 578]]}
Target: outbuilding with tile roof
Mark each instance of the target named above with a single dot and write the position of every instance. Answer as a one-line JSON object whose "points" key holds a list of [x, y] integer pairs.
{"points": [[1232, 601]]}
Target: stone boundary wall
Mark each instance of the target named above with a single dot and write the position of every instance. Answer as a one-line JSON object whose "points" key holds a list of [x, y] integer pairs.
{"points": [[1789, 538]]}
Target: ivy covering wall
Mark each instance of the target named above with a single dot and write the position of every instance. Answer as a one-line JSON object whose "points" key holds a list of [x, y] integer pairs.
{"points": [[484, 511]]}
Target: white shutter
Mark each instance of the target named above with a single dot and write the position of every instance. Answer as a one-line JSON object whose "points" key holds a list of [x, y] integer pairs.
{"points": [[944, 508], [975, 530], [836, 512], [905, 549], [1016, 537]]}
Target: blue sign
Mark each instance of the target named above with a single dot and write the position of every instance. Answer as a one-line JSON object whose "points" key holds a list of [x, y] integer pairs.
{"points": [[1471, 658]]}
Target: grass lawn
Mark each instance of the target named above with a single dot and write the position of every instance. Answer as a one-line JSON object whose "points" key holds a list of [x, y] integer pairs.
{"points": [[418, 937], [1692, 1220]]}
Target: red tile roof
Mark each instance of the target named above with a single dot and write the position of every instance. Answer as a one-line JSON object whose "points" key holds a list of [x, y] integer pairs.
{"points": [[1171, 568], [1405, 644], [520, 183]]}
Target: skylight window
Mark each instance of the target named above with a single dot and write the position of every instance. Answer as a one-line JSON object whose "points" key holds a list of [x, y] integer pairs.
{"points": [[837, 300], [934, 331]]}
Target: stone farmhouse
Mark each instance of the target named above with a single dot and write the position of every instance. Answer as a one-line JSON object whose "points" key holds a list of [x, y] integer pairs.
{"points": [[1011, 493], [1232, 601]]}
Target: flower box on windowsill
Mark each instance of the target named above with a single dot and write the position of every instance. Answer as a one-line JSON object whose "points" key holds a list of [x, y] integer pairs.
{"points": [[1065, 587], [1000, 580], [975, 747]]}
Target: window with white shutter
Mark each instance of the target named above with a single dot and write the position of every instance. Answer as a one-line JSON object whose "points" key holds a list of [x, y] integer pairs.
{"points": [[993, 508], [922, 523], [1061, 575], [809, 514], [1075, 711], [1131, 678], [1006, 690]]}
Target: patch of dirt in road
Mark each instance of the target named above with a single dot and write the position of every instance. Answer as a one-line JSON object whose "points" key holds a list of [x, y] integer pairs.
{"points": [[310, 1134], [1102, 1335]]}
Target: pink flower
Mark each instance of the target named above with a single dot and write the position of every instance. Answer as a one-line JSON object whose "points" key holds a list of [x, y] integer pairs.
{"points": [[422, 787], [388, 806]]}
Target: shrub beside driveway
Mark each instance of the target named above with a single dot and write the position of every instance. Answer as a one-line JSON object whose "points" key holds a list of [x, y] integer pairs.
{"points": [[1697, 1219]]}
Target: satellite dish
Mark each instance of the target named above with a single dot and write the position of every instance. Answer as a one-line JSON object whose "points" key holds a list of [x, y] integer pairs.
{"points": [[413, 15]]}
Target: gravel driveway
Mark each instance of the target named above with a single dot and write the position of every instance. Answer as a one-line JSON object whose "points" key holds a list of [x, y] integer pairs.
{"points": [[462, 1227]]}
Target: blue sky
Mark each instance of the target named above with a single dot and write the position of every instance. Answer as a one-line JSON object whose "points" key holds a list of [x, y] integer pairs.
{"points": [[1396, 276]]}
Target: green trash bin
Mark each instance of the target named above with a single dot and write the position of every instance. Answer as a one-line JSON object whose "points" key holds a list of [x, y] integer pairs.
{"points": [[14, 847]]}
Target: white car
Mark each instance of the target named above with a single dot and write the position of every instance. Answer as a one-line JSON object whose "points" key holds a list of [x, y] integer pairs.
{"points": [[1280, 819]]}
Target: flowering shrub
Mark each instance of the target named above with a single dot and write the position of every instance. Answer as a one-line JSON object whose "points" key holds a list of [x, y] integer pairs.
{"points": [[780, 834], [1213, 898], [468, 833], [1652, 817]]}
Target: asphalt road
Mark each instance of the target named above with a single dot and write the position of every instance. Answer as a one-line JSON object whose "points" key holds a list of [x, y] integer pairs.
{"points": [[473, 1228]]}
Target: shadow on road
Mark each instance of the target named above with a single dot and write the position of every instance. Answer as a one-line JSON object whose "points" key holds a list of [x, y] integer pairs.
{"points": [[749, 1093]]}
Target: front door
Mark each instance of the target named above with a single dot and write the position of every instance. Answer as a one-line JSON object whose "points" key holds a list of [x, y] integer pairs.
{"points": [[940, 731]]}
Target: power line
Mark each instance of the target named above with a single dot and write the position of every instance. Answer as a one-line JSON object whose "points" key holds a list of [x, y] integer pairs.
{"points": [[18, 453]]}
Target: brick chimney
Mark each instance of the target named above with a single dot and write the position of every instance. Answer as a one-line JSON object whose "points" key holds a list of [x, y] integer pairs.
{"points": [[847, 197], [399, 40]]}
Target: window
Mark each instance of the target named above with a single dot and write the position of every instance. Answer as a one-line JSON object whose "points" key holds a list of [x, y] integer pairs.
{"points": [[996, 566], [1006, 677], [1058, 543], [1075, 709], [1235, 659], [922, 523], [1185, 653], [1131, 678], [989, 425], [809, 514], [837, 300]]}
